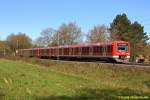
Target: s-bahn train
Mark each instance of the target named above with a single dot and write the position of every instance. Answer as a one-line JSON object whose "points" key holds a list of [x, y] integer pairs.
{"points": [[117, 51]]}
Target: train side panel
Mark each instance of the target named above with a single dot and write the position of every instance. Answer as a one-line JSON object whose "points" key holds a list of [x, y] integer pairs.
{"points": [[107, 51]]}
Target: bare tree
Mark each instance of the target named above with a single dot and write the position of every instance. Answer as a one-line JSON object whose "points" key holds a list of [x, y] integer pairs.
{"points": [[98, 34], [39, 42], [46, 37], [67, 34]]}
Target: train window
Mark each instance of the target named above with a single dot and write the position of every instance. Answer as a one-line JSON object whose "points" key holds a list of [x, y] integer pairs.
{"points": [[76, 51], [122, 47], [60, 51], [97, 49], [47, 51], [85, 50], [109, 48], [66, 51], [52, 51], [42, 51]]}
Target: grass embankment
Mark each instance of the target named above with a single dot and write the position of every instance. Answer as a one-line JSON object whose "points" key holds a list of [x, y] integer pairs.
{"points": [[59, 80]]}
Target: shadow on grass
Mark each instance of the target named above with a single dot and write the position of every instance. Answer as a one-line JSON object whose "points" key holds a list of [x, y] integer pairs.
{"points": [[97, 94]]}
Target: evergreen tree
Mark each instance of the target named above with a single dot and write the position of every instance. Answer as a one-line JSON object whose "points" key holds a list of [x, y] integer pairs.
{"points": [[137, 38], [119, 28], [122, 29]]}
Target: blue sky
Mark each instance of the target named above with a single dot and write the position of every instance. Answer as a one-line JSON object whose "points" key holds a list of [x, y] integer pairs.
{"points": [[32, 16]]}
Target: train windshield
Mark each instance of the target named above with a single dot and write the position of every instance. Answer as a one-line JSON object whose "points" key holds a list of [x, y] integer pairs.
{"points": [[123, 47]]}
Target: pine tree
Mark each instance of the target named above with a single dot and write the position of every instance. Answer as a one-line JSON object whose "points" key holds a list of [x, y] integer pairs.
{"points": [[122, 29], [137, 38], [119, 28]]}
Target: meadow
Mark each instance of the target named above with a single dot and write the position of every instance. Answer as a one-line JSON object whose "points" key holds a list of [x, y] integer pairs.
{"points": [[36, 79]]}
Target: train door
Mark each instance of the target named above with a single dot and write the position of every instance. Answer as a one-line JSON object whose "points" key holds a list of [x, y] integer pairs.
{"points": [[70, 51], [38, 52], [91, 51], [80, 51], [105, 49]]}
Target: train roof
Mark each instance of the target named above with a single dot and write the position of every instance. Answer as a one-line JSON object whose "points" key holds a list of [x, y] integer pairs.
{"points": [[79, 45]]}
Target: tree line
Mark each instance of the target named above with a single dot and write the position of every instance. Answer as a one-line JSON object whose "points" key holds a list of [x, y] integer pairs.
{"points": [[121, 28]]}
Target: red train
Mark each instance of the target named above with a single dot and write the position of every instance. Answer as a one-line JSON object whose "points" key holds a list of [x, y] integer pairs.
{"points": [[118, 51]]}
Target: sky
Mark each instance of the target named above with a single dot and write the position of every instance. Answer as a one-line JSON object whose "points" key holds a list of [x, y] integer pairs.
{"points": [[32, 16]]}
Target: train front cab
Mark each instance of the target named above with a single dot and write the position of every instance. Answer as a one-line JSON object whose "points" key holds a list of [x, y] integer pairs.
{"points": [[121, 51]]}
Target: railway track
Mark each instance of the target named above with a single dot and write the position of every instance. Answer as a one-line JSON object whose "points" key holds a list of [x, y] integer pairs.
{"points": [[104, 62], [95, 61], [138, 64]]}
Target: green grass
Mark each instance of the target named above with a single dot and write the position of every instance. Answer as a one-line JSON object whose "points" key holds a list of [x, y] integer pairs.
{"points": [[48, 80]]}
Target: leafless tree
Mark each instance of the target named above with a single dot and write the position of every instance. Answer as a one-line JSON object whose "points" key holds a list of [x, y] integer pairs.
{"points": [[67, 34], [46, 37], [98, 34]]}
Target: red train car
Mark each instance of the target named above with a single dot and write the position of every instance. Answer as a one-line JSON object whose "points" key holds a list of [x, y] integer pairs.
{"points": [[118, 51]]}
